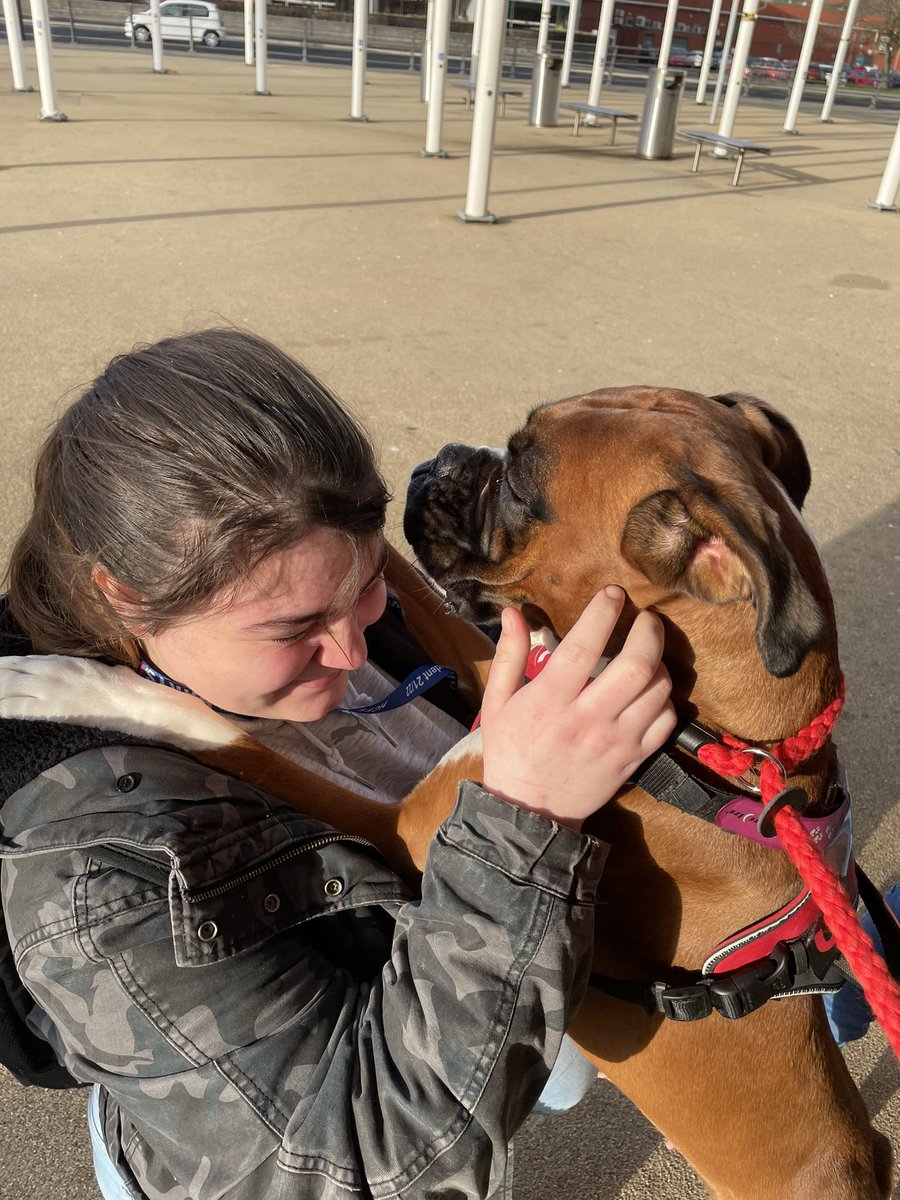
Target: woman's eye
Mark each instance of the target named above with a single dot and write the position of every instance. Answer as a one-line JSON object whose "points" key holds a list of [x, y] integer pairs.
{"points": [[294, 637]]}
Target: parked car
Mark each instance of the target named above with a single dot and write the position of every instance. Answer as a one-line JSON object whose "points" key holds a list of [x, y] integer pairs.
{"points": [[766, 68], [686, 58], [864, 77], [180, 22], [894, 79]]}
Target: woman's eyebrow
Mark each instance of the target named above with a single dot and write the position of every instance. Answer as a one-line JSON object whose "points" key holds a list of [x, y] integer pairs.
{"points": [[307, 618]]}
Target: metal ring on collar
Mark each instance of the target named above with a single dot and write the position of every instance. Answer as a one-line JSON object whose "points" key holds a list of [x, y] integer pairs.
{"points": [[758, 752]]}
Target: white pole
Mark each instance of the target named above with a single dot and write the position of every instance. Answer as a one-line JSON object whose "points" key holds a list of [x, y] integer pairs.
{"points": [[665, 46], [806, 51], [43, 45], [358, 60], [156, 42], [736, 78], [425, 88], [724, 61], [434, 117], [484, 120], [571, 30], [262, 48], [476, 40], [248, 32], [544, 27], [599, 66], [839, 59], [708, 50], [886, 200], [14, 38]]}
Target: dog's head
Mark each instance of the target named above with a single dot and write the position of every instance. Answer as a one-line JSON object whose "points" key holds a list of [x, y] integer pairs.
{"points": [[689, 502]]}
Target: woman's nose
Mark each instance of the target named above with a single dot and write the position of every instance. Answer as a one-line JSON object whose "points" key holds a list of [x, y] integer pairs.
{"points": [[343, 645]]}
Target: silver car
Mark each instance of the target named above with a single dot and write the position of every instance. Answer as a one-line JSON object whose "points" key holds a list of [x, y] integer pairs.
{"points": [[180, 21]]}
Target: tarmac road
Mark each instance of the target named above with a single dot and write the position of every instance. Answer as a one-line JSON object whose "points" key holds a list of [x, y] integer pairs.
{"points": [[178, 201]]}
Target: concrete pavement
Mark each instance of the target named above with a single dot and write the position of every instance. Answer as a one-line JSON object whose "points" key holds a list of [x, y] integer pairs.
{"points": [[177, 201]]}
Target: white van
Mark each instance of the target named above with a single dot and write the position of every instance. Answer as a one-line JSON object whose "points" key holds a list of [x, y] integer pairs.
{"points": [[180, 20]]}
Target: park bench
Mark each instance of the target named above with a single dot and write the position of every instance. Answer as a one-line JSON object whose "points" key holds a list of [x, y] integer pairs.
{"points": [[502, 91], [735, 147], [613, 115]]}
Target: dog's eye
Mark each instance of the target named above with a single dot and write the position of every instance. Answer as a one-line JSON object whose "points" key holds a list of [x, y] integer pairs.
{"points": [[513, 493]]}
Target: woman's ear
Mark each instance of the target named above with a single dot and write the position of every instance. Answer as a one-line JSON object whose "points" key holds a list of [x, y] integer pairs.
{"points": [[123, 600]]}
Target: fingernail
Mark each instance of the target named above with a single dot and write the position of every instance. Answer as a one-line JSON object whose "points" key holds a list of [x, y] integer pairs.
{"points": [[614, 592], [504, 621]]}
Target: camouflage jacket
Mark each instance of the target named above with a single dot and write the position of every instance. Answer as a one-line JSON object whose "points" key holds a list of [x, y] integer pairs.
{"points": [[272, 1015]]}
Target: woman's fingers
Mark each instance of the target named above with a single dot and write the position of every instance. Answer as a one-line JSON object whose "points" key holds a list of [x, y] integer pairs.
{"points": [[634, 670], [507, 673], [575, 658]]}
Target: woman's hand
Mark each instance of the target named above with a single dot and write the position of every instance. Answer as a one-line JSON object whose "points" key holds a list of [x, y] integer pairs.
{"points": [[566, 743]]}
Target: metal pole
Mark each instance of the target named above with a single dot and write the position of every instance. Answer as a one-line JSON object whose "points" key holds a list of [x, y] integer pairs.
{"points": [[708, 50], [72, 36], [425, 81], [434, 117], [724, 62], [14, 38], [806, 51], [665, 46], [484, 120], [43, 45], [262, 48], [477, 25], [571, 30], [886, 200], [599, 66], [358, 60], [248, 33], [544, 27], [190, 34], [839, 59], [736, 78], [159, 65]]}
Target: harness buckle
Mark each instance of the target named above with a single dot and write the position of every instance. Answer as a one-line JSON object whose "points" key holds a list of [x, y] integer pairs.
{"points": [[742, 993], [689, 1003]]}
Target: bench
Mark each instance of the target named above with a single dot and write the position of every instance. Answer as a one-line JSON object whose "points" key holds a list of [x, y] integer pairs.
{"points": [[614, 115], [734, 146], [502, 91]]}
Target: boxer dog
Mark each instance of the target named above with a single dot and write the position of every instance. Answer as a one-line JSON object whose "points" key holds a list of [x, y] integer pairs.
{"points": [[691, 504]]}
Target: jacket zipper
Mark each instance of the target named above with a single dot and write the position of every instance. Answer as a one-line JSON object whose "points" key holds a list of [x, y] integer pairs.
{"points": [[286, 855]]}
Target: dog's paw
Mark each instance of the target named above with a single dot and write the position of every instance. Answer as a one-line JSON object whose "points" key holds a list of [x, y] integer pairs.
{"points": [[80, 691]]}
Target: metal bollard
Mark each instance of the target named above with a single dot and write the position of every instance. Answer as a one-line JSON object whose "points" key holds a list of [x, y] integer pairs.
{"points": [[71, 23], [131, 26], [190, 34]]}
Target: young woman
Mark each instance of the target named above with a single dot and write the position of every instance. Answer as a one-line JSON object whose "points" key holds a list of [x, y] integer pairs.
{"points": [[280, 1016]]}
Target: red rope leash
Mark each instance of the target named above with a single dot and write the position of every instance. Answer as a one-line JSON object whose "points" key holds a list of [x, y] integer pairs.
{"points": [[867, 965], [869, 968]]}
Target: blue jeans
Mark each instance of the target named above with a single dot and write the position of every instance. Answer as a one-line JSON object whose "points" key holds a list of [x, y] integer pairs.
{"points": [[848, 1012], [109, 1181], [569, 1081]]}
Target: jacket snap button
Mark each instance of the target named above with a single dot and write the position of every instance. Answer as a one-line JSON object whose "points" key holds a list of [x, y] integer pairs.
{"points": [[127, 783], [333, 887], [272, 903], [207, 931]]}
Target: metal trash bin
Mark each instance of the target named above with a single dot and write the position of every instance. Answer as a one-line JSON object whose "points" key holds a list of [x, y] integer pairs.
{"points": [[664, 91], [545, 83]]}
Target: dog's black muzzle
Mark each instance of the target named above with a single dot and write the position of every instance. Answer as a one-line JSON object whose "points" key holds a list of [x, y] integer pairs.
{"points": [[451, 514]]}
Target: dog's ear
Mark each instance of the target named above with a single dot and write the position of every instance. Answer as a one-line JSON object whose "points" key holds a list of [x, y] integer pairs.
{"points": [[782, 450], [696, 543]]}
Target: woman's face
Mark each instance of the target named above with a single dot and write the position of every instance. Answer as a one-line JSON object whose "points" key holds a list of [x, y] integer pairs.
{"points": [[281, 648]]}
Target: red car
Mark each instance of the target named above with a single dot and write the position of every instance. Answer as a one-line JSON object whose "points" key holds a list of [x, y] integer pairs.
{"points": [[864, 77], [767, 68]]}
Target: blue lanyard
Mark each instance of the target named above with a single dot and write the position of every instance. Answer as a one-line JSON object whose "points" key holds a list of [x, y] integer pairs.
{"points": [[413, 685], [416, 682]]}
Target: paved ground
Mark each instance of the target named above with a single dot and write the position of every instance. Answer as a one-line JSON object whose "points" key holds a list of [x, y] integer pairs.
{"points": [[168, 203]]}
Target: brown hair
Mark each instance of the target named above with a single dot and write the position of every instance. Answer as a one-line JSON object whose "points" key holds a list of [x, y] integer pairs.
{"points": [[181, 468]]}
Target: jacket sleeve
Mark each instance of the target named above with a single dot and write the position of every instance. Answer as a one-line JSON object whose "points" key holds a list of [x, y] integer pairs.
{"points": [[383, 1049]]}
